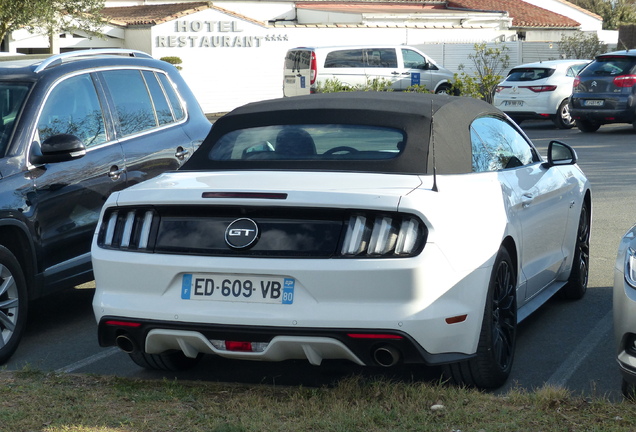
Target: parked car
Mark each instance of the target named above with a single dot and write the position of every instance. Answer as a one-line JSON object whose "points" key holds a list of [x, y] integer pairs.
{"points": [[306, 69], [539, 91], [604, 92], [379, 227], [624, 312], [75, 127]]}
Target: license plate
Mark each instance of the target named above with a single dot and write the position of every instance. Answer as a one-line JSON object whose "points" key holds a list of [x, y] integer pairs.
{"points": [[513, 103], [593, 102], [251, 289]]}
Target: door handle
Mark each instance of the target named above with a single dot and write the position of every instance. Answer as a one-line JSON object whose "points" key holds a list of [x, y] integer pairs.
{"points": [[526, 200], [181, 153], [395, 73], [406, 73], [115, 172]]}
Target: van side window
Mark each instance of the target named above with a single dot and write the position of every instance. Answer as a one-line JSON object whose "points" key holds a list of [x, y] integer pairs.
{"points": [[344, 59], [132, 102], [73, 108], [413, 60], [381, 57]]}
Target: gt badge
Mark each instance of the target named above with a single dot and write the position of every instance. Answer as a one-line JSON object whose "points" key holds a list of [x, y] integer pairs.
{"points": [[241, 234]]}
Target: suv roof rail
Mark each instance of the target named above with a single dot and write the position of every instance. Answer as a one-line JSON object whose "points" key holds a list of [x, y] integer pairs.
{"points": [[60, 58]]}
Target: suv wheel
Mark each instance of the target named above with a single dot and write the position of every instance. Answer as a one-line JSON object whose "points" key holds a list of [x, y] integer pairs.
{"points": [[13, 304], [563, 119], [587, 126]]}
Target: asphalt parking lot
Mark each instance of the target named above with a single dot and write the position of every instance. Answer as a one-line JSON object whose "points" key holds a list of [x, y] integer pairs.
{"points": [[565, 343]]}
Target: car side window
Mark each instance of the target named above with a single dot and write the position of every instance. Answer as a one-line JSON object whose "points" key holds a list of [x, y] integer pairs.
{"points": [[497, 145], [73, 108], [413, 60], [178, 110], [161, 105], [132, 101], [344, 58]]}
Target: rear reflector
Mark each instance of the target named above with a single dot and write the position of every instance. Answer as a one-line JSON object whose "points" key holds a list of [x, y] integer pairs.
{"points": [[373, 336], [456, 319], [122, 323]]}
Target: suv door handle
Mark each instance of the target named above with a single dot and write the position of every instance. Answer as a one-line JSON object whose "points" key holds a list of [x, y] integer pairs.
{"points": [[115, 172], [181, 153]]}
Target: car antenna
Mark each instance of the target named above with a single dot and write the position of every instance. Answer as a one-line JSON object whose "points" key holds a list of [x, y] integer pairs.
{"points": [[432, 139]]}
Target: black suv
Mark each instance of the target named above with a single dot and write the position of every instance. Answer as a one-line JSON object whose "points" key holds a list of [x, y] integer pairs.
{"points": [[75, 127], [604, 92]]}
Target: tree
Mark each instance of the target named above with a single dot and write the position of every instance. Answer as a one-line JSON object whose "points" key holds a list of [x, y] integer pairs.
{"points": [[489, 64], [48, 17], [613, 12], [581, 46]]}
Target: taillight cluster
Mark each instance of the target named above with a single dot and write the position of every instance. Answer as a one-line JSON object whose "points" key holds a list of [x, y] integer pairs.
{"points": [[625, 81], [128, 229], [313, 68], [383, 235], [540, 88]]}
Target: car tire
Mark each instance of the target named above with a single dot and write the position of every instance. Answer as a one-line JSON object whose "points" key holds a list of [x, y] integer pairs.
{"points": [[586, 126], [167, 361], [577, 282], [491, 366], [628, 390], [563, 119], [13, 304], [444, 89]]}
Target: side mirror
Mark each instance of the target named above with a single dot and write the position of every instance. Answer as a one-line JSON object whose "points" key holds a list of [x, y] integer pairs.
{"points": [[58, 148], [560, 154]]}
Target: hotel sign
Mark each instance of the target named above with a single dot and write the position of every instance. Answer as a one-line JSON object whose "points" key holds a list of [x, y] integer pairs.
{"points": [[213, 34]]}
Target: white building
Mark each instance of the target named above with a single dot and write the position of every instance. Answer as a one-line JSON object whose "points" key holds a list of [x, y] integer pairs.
{"points": [[233, 51]]}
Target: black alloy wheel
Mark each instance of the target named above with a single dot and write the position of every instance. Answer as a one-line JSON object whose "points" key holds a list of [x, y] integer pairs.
{"points": [[491, 367], [577, 282]]}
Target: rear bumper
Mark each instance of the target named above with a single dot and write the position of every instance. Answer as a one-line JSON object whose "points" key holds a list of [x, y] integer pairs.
{"points": [[362, 346], [603, 116]]}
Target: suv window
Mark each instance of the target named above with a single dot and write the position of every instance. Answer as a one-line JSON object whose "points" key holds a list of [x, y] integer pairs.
{"points": [[161, 105], [497, 145], [12, 96], [132, 101], [80, 115], [175, 103], [610, 66]]}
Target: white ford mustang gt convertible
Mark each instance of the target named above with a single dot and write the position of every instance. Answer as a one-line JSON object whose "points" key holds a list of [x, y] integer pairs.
{"points": [[382, 228]]}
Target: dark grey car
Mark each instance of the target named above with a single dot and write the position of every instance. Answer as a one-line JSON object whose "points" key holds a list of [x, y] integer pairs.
{"points": [[604, 92]]}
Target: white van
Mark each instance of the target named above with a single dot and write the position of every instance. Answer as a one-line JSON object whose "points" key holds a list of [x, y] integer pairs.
{"points": [[306, 68]]}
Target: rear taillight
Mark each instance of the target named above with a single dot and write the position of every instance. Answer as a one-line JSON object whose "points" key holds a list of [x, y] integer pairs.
{"points": [[127, 229], [625, 81], [500, 88], [314, 69], [540, 88], [383, 235], [576, 82]]}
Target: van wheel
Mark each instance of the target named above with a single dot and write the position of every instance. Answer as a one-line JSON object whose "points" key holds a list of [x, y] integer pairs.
{"points": [[444, 89], [563, 119], [13, 304], [586, 126]]}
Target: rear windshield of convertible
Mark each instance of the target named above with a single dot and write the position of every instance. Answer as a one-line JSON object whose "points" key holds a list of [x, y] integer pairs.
{"points": [[309, 142]]}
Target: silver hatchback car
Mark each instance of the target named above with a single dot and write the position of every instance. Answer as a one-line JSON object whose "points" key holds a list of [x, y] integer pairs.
{"points": [[624, 308], [539, 91]]}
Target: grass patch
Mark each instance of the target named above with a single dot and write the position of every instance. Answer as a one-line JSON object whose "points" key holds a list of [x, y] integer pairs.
{"points": [[52, 402]]}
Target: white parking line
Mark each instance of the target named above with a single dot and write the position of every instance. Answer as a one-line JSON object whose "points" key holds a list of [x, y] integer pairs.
{"points": [[88, 360], [560, 377]]}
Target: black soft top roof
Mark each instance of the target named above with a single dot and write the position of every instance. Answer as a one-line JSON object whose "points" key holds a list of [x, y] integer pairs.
{"points": [[409, 112]]}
